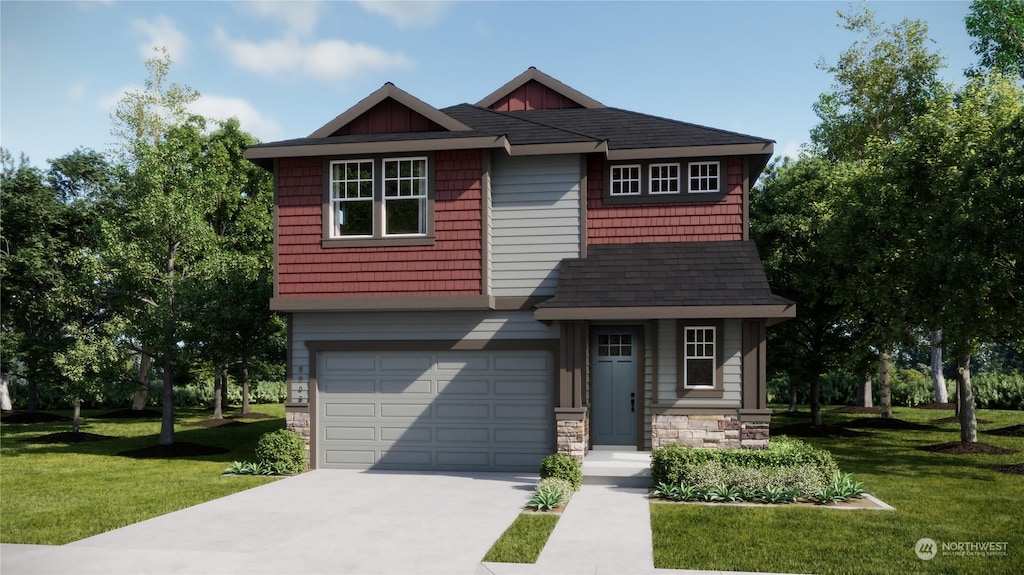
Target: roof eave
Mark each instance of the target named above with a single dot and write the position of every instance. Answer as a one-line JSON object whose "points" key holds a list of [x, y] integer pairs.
{"points": [[758, 148], [778, 312], [258, 154]]}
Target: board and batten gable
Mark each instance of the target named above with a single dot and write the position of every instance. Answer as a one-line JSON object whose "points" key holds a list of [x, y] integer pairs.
{"points": [[732, 366], [406, 326], [535, 221]]}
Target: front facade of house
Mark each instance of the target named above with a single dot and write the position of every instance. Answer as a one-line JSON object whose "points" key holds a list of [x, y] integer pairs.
{"points": [[475, 287]]}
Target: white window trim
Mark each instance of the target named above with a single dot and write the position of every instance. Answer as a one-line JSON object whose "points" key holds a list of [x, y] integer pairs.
{"points": [[713, 357], [690, 179], [422, 197], [336, 201], [612, 180], [651, 178]]}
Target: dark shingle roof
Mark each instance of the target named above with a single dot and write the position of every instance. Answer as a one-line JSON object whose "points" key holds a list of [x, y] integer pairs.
{"points": [[723, 273]]}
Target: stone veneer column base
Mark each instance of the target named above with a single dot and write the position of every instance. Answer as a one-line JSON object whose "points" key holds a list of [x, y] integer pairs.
{"points": [[572, 433], [296, 419], [754, 435]]}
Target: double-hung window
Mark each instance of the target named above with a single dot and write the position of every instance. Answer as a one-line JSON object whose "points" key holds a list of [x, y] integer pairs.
{"points": [[352, 199], [379, 200], [700, 355]]}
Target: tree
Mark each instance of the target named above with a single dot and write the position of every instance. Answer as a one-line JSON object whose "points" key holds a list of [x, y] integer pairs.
{"points": [[47, 238], [790, 220], [157, 232], [997, 27]]}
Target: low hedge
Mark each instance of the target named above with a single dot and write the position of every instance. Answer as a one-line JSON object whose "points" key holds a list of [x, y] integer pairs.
{"points": [[672, 463]]}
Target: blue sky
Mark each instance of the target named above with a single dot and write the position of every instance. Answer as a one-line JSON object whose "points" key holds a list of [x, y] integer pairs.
{"points": [[286, 68]]}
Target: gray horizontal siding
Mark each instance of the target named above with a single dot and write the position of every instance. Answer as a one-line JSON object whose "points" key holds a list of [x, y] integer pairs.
{"points": [[535, 222]]}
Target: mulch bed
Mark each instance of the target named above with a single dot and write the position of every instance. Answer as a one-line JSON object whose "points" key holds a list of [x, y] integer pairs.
{"points": [[1015, 468], [68, 437], [130, 414], [936, 406], [857, 409], [880, 423], [1012, 431], [179, 449], [808, 430], [214, 423], [960, 448], [26, 417], [955, 419]]}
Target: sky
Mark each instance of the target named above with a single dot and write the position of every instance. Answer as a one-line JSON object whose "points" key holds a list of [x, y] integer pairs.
{"points": [[284, 69]]}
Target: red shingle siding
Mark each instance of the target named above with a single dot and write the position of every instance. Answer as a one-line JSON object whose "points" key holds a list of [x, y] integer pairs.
{"points": [[450, 267], [533, 96], [682, 222]]}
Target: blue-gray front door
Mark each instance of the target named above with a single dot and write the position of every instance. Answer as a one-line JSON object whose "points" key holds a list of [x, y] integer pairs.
{"points": [[614, 400]]}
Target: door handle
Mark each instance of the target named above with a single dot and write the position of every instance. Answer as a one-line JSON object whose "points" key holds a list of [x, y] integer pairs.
{"points": [[632, 402]]}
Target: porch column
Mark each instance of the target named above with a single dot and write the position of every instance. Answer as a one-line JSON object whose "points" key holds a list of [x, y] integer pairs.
{"points": [[570, 412], [755, 417]]}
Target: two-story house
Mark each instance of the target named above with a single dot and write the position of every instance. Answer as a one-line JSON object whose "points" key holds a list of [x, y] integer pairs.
{"points": [[478, 286]]}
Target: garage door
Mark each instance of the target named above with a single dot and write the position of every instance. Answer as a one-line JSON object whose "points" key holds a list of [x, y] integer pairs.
{"points": [[443, 410]]}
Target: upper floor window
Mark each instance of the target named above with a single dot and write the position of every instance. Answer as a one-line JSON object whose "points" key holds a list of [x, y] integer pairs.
{"points": [[378, 200], [704, 177], [661, 181], [625, 181]]}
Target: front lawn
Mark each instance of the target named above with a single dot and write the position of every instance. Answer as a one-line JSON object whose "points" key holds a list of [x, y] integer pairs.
{"points": [[55, 493], [950, 499]]}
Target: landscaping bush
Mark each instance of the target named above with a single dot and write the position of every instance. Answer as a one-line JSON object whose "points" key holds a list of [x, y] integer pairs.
{"points": [[669, 463], [282, 450], [563, 466], [562, 486], [999, 390]]}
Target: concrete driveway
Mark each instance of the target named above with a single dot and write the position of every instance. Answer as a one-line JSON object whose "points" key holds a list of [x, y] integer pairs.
{"points": [[324, 521]]}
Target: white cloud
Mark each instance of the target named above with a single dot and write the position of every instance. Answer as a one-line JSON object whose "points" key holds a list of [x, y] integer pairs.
{"points": [[300, 17], [325, 60], [161, 32], [407, 14], [251, 120], [76, 91], [109, 101]]}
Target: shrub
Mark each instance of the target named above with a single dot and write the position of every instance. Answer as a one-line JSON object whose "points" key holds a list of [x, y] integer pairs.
{"points": [[999, 390], [282, 450], [668, 463], [561, 485], [562, 466]]}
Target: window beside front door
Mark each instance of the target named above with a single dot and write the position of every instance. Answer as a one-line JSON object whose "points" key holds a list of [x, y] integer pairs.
{"points": [[700, 353]]}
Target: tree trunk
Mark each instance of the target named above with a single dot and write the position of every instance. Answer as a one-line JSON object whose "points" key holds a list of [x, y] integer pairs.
{"points": [[76, 423], [5, 394], [884, 388], [218, 384], [245, 384], [224, 388], [938, 378], [864, 392], [167, 397], [142, 390], [31, 396], [965, 395], [815, 399]]}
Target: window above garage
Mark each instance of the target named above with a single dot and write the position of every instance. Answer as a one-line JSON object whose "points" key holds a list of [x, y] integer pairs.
{"points": [[381, 201]]}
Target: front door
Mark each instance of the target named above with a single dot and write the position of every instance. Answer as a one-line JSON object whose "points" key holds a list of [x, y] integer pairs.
{"points": [[614, 400]]}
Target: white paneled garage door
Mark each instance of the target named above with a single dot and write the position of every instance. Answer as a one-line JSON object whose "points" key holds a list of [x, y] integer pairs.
{"points": [[435, 410]]}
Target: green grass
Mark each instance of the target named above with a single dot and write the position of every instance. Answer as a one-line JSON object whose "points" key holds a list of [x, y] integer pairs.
{"points": [[58, 493], [523, 541], [948, 498]]}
